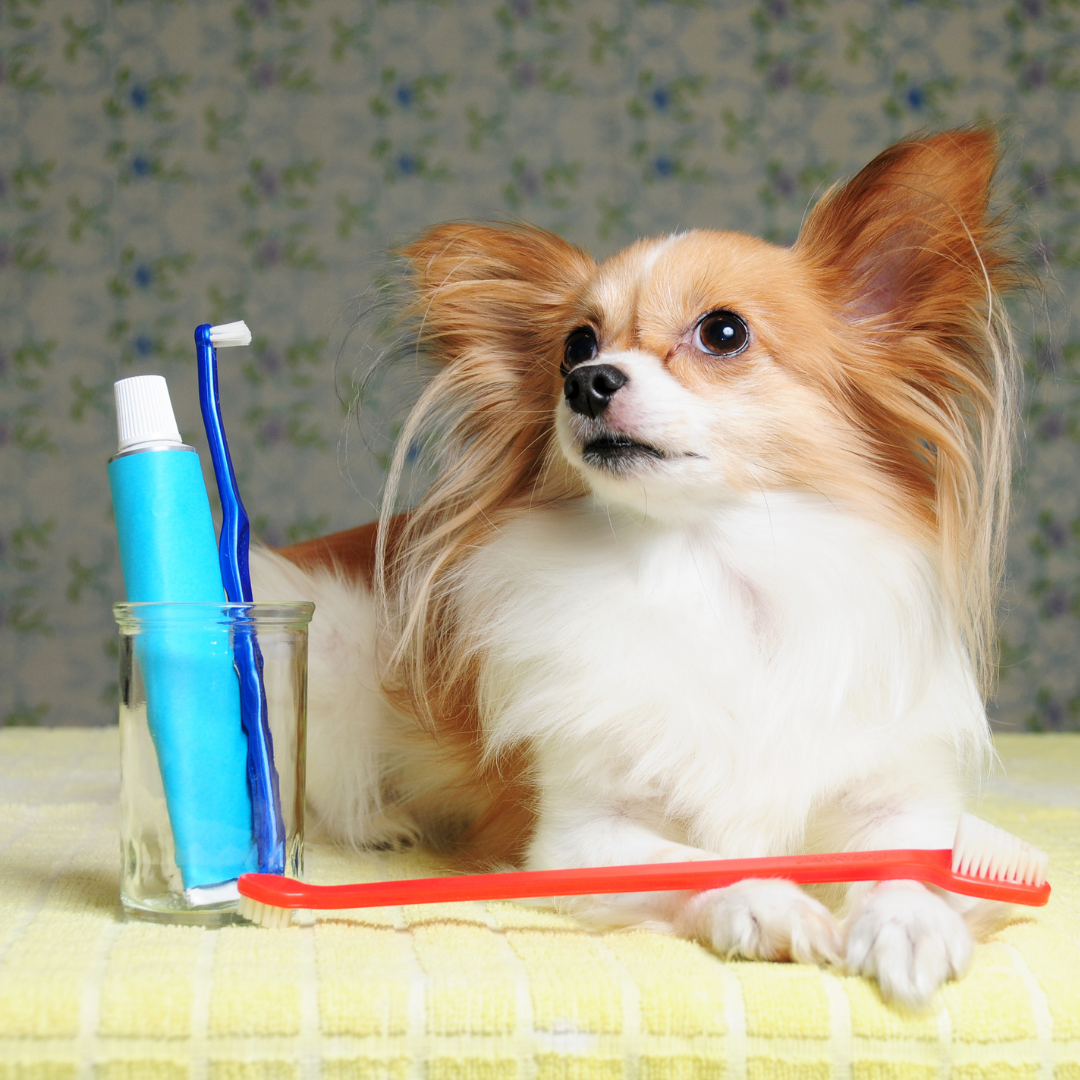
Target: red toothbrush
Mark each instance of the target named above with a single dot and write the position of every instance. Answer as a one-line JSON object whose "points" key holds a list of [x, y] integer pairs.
{"points": [[984, 861]]}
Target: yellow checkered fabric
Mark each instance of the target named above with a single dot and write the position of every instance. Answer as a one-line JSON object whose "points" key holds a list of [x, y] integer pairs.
{"points": [[492, 991]]}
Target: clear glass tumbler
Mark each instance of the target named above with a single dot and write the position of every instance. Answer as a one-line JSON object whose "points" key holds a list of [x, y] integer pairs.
{"points": [[183, 756]]}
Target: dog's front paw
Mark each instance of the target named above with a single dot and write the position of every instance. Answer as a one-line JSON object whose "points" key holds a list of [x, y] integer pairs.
{"points": [[909, 939], [762, 920]]}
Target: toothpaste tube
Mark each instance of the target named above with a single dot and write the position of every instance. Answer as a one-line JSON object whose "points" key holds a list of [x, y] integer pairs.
{"points": [[168, 553]]}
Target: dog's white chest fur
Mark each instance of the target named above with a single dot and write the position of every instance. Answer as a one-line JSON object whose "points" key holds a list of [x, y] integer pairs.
{"points": [[731, 681]]}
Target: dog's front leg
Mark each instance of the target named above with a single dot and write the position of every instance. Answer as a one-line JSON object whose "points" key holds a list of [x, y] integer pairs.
{"points": [[758, 920], [909, 937]]}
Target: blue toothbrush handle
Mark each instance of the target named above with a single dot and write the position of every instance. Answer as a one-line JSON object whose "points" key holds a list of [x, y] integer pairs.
{"points": [[267, 822], [235, 527], [266, 819]]}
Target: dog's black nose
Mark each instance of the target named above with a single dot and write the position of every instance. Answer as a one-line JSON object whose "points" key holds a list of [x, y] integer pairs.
{"points": [[589, 389]]}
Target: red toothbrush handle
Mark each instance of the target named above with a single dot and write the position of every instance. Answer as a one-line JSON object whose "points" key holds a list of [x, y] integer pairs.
{"points": [[931, 867]]}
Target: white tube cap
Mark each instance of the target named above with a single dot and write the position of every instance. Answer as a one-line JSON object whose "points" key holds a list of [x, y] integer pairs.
{"points": [[144, 412]]}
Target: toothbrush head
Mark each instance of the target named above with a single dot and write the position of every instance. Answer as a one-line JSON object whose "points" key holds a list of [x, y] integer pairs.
{"points": [[229, 334]]}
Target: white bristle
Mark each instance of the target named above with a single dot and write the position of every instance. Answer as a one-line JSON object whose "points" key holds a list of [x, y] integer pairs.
{"points": [[230, 334], [273, 918], [983, 850]]}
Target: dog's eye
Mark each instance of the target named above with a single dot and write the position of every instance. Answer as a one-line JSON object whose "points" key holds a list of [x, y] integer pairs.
{"points": [[722, 333], [580, 348]]}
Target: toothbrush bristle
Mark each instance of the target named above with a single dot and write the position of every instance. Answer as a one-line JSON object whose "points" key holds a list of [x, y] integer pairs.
{"points": [[982, 850], [267, 915], [230, 334]]}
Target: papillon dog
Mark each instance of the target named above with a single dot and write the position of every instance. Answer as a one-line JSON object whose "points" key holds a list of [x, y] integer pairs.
{"points": [[708, 566]]}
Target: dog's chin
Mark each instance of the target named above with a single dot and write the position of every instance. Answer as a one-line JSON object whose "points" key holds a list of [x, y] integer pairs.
{"points": [[659, 482], [619, 454]]}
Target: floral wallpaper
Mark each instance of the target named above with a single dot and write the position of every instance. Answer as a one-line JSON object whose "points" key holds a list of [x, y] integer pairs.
{"points": [[170, 162]]}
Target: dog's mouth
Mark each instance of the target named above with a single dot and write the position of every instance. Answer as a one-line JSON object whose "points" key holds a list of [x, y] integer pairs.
{"points": [[616, 452]]}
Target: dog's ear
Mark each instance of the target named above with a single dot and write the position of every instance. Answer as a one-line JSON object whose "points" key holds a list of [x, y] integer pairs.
{"points": [[492, 307], [497, 291], [925, 365], [907, 243]]}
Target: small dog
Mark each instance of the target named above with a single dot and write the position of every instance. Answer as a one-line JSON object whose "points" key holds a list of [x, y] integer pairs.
{"points": [[708, 568]]}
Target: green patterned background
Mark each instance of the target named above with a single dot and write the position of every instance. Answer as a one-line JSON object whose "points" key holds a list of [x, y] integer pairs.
{"points": [[164, 164]]}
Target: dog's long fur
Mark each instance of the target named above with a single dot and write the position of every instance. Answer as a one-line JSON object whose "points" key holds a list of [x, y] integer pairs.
{"points": [[766, 632]]}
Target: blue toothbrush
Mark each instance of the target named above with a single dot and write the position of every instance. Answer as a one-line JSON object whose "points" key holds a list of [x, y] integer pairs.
{"points": [[267, 823]]}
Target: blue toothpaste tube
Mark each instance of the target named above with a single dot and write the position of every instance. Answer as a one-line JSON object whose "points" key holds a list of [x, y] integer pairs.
{"points": [[168, 553]]}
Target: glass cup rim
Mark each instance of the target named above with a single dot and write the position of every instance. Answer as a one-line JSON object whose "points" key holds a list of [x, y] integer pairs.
{"points": [[130, 612]]}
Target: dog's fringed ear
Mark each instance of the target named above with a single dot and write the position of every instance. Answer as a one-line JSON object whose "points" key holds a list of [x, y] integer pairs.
{"points": [[907, 242], [910, 256], [493, 290], [492, 307]]}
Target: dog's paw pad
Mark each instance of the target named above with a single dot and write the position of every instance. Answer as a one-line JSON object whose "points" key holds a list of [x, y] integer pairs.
{"points": [[762, 920], [909, 940]]}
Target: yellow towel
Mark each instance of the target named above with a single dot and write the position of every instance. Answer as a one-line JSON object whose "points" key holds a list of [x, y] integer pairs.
{"points": [[491, 991]]}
